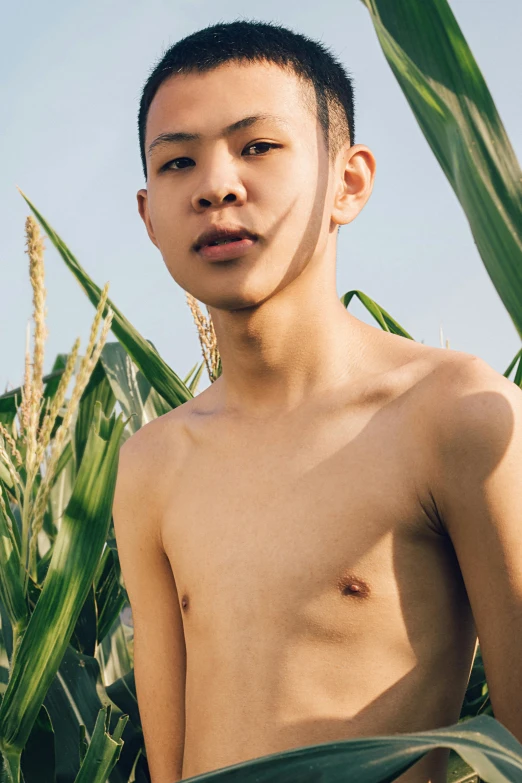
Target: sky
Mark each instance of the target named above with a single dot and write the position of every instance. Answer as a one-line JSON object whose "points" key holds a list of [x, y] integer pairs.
{"points": [[72, 80]]}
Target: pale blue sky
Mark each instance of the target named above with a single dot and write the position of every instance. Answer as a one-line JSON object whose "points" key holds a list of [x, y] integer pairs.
{"points": [[72, 75]]}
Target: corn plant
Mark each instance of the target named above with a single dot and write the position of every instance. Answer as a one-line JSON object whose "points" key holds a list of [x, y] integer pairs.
{"points": [[51, 563], [57, 720]]}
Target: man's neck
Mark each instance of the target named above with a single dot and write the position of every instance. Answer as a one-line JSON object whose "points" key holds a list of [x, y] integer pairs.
{"points": [[287, 351]]}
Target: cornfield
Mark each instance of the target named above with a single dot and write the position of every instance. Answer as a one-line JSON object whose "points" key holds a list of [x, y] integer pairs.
{"points": [[68, 711]]}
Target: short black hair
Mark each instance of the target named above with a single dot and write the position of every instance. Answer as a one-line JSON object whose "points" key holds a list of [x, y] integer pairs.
{"points": [[252, 41]]}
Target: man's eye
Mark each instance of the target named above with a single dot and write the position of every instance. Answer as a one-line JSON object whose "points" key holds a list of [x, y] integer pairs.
{"points": [[259, 144], [177, 167], [168, 165]]}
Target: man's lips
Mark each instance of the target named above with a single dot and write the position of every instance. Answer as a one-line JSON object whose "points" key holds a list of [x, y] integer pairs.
{"points": [[221, 232], [233, 249]]}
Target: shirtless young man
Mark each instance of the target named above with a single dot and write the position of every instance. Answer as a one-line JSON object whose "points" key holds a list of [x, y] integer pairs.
{"points": [[311, 545]]}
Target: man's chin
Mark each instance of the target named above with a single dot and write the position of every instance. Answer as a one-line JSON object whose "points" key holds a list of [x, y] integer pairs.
{"points": [[233, 304], [244, 290], [231, 301]]}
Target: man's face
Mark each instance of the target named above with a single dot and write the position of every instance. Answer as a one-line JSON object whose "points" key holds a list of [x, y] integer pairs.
{"points": [[278, 190]]}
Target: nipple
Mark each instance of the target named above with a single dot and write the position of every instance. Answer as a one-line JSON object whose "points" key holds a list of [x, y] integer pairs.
{"points": [[353, 586], [184, 602]]}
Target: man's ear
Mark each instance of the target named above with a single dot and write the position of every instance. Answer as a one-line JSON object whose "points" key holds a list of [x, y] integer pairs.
{"points": [[143, 209], [355, 172]]}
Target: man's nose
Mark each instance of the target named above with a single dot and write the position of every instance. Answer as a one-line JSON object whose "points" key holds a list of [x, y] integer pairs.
{"points": [[219, 185]]}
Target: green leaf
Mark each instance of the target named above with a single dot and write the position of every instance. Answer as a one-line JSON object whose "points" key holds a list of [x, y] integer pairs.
{"points": [[186, 379], [74, 699], [448, 95], [138, 399], [193, 385], [11, 574], [123, 693], [8, 406], [512, 363], [384, 319], [75, 558], [110, 598], [103, 751], [6, 647], [38, 757], [98, 389], [484, 744], [83, 637], [518, 375], [63, 483], [115, 651], [158, 373]]}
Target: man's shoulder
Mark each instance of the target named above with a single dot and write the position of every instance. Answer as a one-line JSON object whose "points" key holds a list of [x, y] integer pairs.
{"points": [[157, 442], [422, 375], [467, 388], [469, 405], [452, 395]]}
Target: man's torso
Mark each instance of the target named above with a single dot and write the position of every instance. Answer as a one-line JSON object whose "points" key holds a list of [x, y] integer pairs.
{"points": [[321, 599]]}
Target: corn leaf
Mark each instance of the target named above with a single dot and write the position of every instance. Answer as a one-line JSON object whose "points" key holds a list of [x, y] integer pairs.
{"points": [[98, 388], [512, 363], [38, 761], [11, 574], [110, 598], [448, 95], [186, 379], [63, 485], [123, 693], [75, 558], [517, 358], [8, 407], [103, 751], [138, 399], [74, 699], [193, 384], [383, 318], [484, 744]]}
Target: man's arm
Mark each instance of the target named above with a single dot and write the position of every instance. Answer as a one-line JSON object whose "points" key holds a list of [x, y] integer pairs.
{"points": [[159, 642], [477, 486]]}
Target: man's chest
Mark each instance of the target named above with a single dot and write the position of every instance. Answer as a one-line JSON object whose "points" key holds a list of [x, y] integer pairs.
{"points": [[311, 528]]}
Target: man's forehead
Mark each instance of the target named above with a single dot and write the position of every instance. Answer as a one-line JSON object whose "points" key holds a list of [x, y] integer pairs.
{"points": [[264, 91]]}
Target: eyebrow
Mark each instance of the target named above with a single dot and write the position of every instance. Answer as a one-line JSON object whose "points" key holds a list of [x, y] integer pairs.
{"points": [[181, 136]]}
